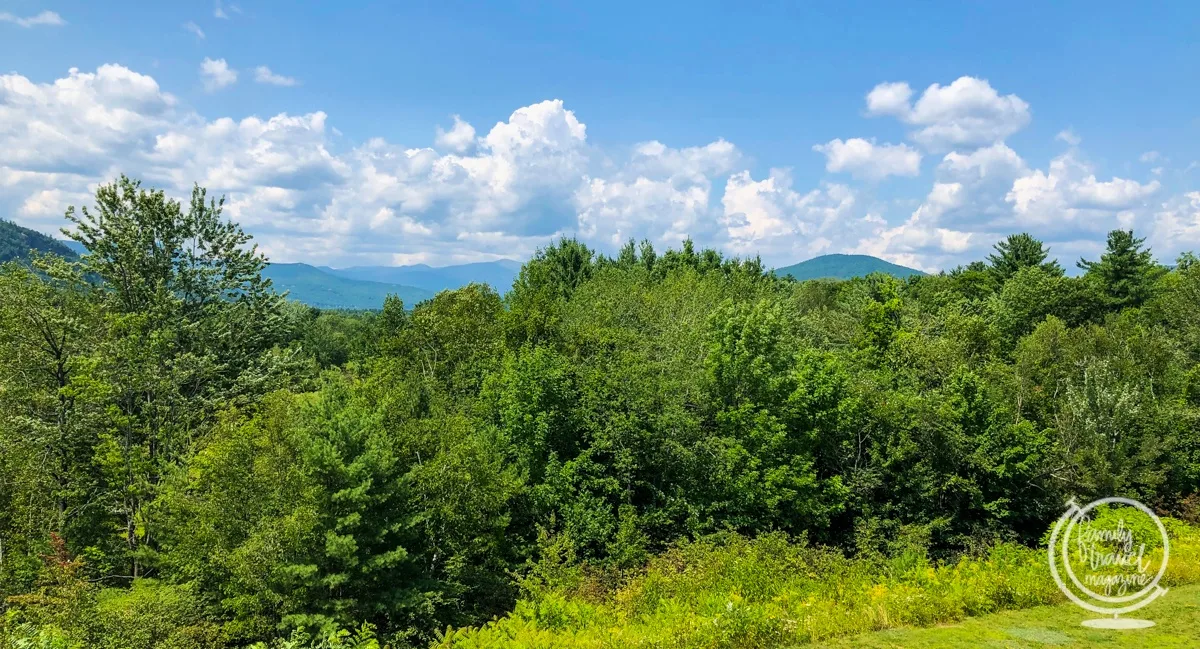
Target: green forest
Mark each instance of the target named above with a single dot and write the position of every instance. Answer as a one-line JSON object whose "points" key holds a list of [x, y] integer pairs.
{"points": [[662, 448]]}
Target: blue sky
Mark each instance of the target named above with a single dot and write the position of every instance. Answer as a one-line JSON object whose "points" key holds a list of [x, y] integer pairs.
{"points": [[781, 130]]}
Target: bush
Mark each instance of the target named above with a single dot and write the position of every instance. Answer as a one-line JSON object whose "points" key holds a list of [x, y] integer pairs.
{"points": [[153, 615]]}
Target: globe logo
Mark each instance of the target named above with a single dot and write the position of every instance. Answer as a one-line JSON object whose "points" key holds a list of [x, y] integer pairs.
{"points": [[1108, 557]]}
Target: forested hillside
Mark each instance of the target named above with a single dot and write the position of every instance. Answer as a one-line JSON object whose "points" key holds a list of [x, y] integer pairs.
{"points": [[844, 267], [661, 448], [316, 287], [16, 242]]}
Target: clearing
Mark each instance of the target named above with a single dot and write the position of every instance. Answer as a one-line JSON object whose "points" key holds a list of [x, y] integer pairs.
{"points": [[1177, 615]]}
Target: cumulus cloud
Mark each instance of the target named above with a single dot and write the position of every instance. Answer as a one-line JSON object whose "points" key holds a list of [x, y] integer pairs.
{"points": [[534, 175], [45, 18], [890, 99], [459, 138], [865, 159], [263, 74], [1176, 225], [79, 123], [1069, 194], [769, 217], [922, 242], [966, 113], [217, 74], [994, 162], [661, 193]]}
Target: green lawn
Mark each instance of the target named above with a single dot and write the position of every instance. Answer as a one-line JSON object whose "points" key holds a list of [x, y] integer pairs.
{"points": [[1177, 614]]}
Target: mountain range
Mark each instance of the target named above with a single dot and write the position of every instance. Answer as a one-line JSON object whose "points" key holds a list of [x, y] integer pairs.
{"points": [[500, 274], [365, 287], [317, 287]]}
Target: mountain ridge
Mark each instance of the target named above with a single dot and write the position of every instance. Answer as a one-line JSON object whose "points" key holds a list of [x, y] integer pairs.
{"points": [[500, 274], [316, 287], [16, 242], [366, 287]]}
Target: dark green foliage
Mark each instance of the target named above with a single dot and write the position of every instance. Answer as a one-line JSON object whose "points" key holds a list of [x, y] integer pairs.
{"points": [[16, 243], [1126, 272], [1020, 251]]}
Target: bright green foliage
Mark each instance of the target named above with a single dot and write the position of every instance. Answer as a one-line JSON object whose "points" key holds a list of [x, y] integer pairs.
{"points": [[728, 591], [763, 453]]}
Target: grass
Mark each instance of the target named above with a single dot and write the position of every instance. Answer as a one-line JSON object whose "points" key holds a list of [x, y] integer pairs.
{"points": [[730, 592], [1177, 615]]}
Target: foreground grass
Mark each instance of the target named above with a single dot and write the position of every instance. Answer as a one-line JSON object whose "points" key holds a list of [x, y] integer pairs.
{"points": [[737, 593], [1177, 615]]}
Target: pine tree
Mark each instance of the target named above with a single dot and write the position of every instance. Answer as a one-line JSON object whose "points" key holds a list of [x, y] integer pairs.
{"points": [[1016, 252], [1126, 271]]}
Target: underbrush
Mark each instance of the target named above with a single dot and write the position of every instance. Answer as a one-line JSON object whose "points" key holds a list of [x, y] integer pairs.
{"points": [[721, 592], [730, 592]]}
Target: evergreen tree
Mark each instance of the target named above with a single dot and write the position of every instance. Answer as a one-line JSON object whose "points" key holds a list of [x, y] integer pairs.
{"points": [[1126, 272], [1016, 252]]}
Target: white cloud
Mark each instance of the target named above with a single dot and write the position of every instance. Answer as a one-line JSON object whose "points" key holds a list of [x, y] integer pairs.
{"points": [[864, 159], [1067, 202], [194, 29], [770, 218], [1069, 185], [1068, 136], [996, 161], [966, 113], [46, 18], [1117, 193], [217, 74], [890, 99], [219, 10], [263, 74], [1150, 156], [307, 194], [80, 123], [958, 218], [459, 138], [661, 194], [1176, 226], [922, 242]]}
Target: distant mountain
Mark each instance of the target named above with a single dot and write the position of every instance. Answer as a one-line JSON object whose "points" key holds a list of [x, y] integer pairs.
{"points": [[73, 245], [319, 288], [304, 283], [844, 267], [16, 242], [499, 274]]}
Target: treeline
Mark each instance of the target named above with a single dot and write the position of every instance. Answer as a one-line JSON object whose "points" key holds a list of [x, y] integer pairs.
{"points": [[189, 460]]}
